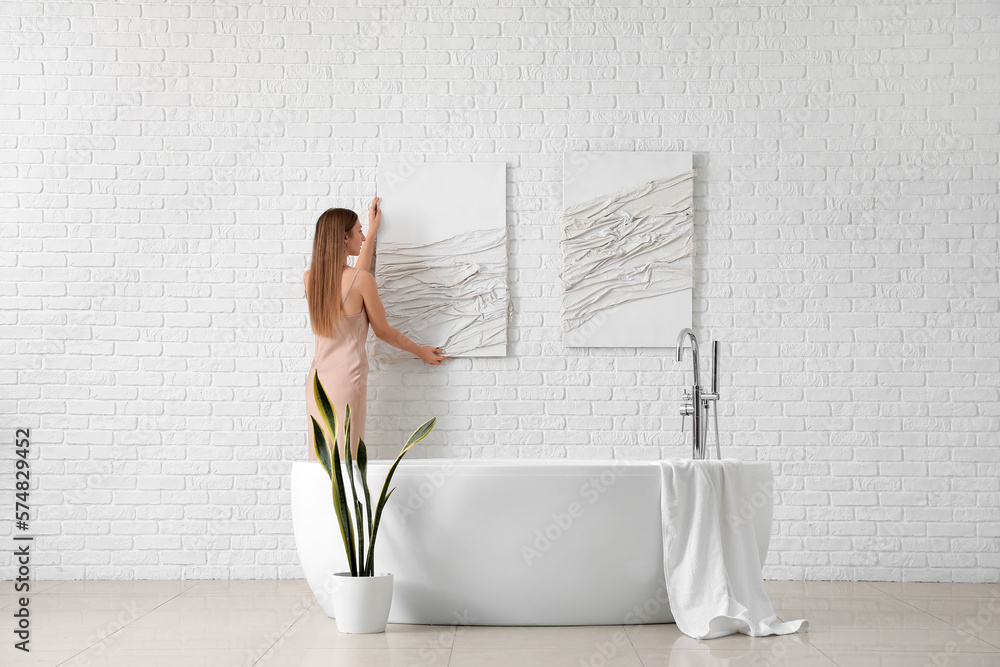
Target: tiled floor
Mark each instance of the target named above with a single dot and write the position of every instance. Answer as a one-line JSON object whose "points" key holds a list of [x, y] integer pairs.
{"points": [[278, 624]]}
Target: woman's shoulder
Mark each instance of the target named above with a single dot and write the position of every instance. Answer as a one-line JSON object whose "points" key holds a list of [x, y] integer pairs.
{"points": [[363, 276]]}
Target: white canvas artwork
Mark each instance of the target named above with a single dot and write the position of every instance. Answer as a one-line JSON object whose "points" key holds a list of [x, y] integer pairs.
{"points": [[627, 246], [441, 256]]}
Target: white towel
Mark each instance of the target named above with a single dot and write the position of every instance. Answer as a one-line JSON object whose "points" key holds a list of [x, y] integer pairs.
{"points": [[711, 565]]}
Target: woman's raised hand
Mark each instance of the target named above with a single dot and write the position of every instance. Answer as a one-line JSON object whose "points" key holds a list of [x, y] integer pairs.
{"points": [[374, 216], [431, 355]]}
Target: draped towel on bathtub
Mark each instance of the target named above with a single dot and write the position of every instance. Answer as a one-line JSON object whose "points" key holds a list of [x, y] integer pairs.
{"points": [[710, 559]]}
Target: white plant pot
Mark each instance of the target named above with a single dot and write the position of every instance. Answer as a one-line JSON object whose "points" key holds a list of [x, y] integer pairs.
{"points": [[361, 604]]}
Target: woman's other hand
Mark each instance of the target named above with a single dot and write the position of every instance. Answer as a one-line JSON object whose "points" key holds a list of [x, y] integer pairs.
{"points": [[431, 355], [374, 216]]}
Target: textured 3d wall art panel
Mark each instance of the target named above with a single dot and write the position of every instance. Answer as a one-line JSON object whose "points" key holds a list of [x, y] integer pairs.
{"points": [[441, 258], [627, 247]]}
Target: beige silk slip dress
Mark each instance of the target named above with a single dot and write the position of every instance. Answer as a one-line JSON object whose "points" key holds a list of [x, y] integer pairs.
{"points": [[342, 364]]}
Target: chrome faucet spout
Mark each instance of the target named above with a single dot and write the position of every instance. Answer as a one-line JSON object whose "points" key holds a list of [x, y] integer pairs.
{"points": [[694, 351]]}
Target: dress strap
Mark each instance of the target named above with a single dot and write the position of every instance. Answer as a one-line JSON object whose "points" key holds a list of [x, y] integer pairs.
{"points": [[350, 287]]}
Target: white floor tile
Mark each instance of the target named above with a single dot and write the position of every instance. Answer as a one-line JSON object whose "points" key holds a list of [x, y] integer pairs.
{"points": [[354, 657], [912, 659], [947, 590], [12, 657], [613, 655], [733, 658], [251, 587], [499, 637], [898, 640], [327, 636], [668, 636], [113, 656], [234, 623]]}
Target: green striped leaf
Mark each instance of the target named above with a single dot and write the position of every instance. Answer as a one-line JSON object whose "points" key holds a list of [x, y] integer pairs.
{"points": [[414, 438], [378, 518], [354, 491], [343, 511], [321, 447], [363, 467], [326, 410]]}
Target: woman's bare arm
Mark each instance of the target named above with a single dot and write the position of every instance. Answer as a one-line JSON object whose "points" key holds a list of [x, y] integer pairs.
{"points": [[367, 255], [376, 317]]}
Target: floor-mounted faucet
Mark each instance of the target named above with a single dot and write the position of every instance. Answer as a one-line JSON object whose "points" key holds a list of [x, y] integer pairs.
{"points": [[697, 402]]}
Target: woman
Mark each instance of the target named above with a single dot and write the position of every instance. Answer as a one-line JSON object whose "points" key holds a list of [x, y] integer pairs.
{"points": [[343, 301]]}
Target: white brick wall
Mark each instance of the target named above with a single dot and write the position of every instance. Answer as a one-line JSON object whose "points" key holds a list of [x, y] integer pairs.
{"points": [[163, 166]]}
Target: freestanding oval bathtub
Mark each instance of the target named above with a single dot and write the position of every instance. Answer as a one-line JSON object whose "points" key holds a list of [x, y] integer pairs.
{"points": [[510, 542]]}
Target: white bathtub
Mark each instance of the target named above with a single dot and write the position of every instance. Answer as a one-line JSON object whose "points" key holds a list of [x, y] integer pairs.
{"points": [[510, 542]]}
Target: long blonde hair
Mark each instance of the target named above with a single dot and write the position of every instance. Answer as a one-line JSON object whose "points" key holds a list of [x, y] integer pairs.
{"points": [[329, 257]]}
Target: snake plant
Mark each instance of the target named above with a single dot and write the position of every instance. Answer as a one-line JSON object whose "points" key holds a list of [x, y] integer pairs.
{"points": [[362, 562]]}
